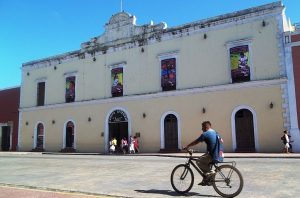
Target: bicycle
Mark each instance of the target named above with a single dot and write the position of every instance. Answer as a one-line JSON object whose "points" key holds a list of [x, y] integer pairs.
{"points": [[227, 180]]}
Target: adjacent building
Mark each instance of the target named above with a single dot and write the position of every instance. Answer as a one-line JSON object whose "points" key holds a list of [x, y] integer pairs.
{"points": [[292, 54], [9, 118], [160, 83]]}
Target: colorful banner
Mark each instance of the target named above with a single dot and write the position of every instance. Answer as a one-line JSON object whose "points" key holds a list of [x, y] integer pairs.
{"points": [[70, 89], [168, 74], [117, 82], [239, 60]]}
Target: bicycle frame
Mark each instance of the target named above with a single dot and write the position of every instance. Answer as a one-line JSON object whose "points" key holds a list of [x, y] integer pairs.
{"points": [[191, 159]]}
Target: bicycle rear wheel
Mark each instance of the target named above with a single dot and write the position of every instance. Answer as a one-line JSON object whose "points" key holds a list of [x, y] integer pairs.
{"points": [[228, 181], [182, 178]]}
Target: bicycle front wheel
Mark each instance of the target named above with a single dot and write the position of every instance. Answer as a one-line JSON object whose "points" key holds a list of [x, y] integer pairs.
{"points": [[228, 181], [182, 179]]}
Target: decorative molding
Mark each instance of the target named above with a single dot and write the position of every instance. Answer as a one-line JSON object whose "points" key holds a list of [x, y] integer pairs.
{"points": [[69, 74], [216, 88], [65, 131], [234, 43], [162, 129], [117, 65], [43, 79], [35, 134], [106, 127], [255, 127], [168, 55]]}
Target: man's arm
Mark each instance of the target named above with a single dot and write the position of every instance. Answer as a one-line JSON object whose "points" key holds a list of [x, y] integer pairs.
{"points": [[192, 144]]}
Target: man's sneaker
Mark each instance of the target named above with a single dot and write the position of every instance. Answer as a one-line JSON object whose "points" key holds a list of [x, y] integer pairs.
{"points": [[210, 174]]}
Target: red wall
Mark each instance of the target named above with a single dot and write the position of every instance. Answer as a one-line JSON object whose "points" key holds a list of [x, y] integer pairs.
{"points": [[296, 63], [295, 37], [9, 111]]}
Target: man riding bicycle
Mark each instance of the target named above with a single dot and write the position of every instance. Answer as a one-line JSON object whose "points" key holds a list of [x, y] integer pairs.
{"points": [[210, 137]]}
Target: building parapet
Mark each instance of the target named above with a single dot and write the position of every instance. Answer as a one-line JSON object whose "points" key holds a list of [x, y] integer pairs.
{"points": [[121, 32]]}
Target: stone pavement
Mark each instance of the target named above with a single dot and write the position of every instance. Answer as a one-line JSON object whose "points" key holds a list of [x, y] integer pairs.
{"points": [[144, 175]]}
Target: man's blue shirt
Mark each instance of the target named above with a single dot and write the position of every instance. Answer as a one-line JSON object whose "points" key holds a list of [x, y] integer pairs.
{"points": [[209, 137]]}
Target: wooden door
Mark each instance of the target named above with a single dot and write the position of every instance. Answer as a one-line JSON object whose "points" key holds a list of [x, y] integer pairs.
{"points": [[171, 132], [244, 131], [5, 140]]}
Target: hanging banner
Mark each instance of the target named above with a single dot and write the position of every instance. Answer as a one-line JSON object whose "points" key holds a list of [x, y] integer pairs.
{"points": [[239, 60], [70, 89], [168, 74], [117, 82]]}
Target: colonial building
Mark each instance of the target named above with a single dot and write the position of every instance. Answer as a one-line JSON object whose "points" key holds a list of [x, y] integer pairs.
{"points": [[9, 118], [292, 54], [160, 83]]}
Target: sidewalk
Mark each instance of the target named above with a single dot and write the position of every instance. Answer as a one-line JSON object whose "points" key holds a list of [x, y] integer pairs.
{"points": [[180, 155]]}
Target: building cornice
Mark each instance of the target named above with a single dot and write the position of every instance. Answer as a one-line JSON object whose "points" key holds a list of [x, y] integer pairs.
{"points": [[151, 34], [185, 92]]}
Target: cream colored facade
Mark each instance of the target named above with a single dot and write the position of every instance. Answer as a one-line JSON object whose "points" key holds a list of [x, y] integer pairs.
{"points": [[204, 88]]}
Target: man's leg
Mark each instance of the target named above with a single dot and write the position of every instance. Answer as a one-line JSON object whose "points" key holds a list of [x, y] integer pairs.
{"points": [[204, 163]]}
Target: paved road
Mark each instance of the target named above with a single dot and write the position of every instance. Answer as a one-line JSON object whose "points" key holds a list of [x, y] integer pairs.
{"points": [[140, 176]]}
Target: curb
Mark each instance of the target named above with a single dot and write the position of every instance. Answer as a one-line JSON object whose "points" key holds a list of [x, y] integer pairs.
{"points": [[57, 190], [174, 155]]}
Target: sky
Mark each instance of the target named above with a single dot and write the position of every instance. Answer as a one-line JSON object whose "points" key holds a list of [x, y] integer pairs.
{"points": [[36, 29]]}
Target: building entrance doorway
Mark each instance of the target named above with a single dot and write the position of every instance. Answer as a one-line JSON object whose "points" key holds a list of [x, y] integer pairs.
{"points": [[244, 130], [118, 127], [5, 138], [70, 135], [171, 133]]}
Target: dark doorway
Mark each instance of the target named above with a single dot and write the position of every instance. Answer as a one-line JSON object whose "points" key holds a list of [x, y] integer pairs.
{"points": [[40, 136], [171, 133], [118, 127], [5, 140], [70, 135], [118, 131], [244, 130]]}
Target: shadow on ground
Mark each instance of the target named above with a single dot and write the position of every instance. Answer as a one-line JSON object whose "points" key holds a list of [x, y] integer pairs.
{"points": [[173, 193]]}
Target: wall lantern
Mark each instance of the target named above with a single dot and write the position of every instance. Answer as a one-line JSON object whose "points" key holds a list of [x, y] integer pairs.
{"points": [[144, 115], [102, 134], [28, 73], [53, 121], [203, 110], [89, 119], [138, 134], [26, 123], [271, 105]]}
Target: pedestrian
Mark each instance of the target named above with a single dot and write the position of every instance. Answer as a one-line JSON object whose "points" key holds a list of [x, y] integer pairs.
{"points": [[131, 145], [112, 147], [136, 144], [286, 141], [124, 145]]}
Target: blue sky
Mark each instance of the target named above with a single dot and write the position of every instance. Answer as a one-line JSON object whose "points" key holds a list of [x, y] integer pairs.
{"points": [[35, 29]]}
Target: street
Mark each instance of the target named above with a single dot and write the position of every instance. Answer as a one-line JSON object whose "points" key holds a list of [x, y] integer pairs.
{"points": [[138, 176]]}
